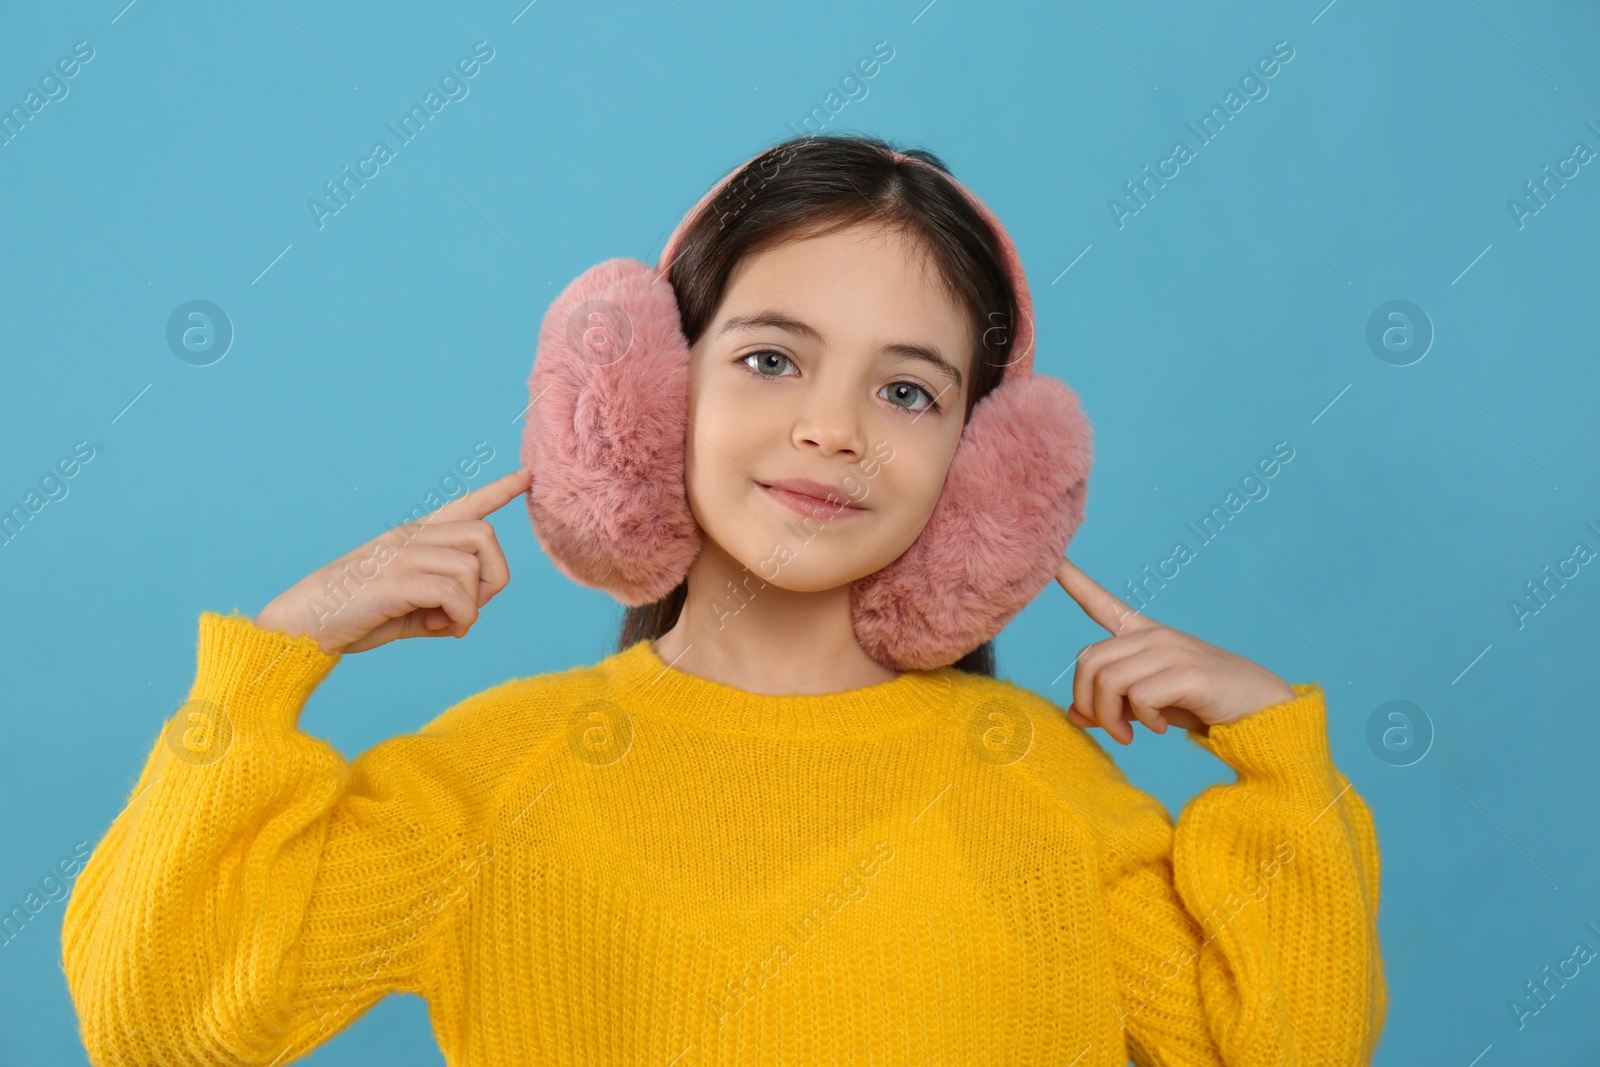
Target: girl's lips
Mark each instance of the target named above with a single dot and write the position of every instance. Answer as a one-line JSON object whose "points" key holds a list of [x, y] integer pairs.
{"points": [[809, 505]]}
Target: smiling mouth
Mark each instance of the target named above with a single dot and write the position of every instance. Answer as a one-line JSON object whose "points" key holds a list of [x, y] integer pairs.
{"points": [[810, 505]]}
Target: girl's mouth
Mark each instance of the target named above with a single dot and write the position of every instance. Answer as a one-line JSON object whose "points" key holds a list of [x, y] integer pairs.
{"points": [[811, 506]]}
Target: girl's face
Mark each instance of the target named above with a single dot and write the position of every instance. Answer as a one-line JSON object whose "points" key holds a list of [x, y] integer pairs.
{"points": [[837, 360]]}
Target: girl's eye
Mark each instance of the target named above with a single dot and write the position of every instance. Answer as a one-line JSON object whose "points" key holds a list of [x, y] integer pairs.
{"points": [[761, 357], [769, 359], [932, 403]]}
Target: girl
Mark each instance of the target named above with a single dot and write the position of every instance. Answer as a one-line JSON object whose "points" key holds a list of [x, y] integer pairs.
{"points": [[744, 837]]}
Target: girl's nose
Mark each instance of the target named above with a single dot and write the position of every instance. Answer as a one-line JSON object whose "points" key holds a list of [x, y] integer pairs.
{"points": [[832, 423]]}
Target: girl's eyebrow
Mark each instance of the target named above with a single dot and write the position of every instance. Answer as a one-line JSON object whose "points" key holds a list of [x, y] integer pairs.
{"points": [[777, 320]]}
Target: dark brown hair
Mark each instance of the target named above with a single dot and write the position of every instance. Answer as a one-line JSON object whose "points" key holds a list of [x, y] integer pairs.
{"points": [[816, 185]]}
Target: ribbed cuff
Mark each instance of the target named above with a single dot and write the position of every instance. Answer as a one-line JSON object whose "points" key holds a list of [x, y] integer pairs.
{"points": [[1285, 743], [255, 675]]}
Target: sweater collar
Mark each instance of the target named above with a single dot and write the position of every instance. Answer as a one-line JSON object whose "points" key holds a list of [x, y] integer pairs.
{"points": [[643, 683]]}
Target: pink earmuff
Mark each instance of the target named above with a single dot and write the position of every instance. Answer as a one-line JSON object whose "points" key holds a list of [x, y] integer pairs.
{"points": [[605, 438]]}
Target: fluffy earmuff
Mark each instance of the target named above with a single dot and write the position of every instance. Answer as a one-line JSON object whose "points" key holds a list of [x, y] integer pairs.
{"points": [[604, 434]]}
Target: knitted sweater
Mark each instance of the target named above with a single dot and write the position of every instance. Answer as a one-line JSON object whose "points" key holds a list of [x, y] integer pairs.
{"points": [[627, 863]]}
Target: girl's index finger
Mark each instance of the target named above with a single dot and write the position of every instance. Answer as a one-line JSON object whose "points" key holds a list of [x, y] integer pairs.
{"points": [[485, 499], [1099, 603]]}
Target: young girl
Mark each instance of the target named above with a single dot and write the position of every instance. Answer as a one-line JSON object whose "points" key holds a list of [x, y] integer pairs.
{"points": [[749, 835]]}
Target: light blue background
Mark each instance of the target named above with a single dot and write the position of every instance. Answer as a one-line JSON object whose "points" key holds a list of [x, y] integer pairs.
{"points": [[1227, 315]]}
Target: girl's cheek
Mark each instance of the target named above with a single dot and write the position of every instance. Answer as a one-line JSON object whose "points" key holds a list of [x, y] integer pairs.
{"points": [[857, 486]]}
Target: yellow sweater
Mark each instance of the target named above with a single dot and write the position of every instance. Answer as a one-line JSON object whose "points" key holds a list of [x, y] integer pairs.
{"points": [[628, 864]]}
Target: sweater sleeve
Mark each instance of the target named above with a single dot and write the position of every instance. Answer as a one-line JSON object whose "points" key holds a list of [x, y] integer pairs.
{"points": [[257, 893], [1246, 936]]}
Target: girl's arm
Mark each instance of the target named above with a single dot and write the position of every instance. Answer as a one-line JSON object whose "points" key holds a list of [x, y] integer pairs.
{"points": [[1246, 936], [258, 893]]}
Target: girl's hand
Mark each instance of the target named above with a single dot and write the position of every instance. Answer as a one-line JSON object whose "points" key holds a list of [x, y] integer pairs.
{"points": [[1156, 674], [426, 578]]}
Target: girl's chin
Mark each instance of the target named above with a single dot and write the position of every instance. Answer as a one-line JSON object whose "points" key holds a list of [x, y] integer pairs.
{"points": [[787, 560]]}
